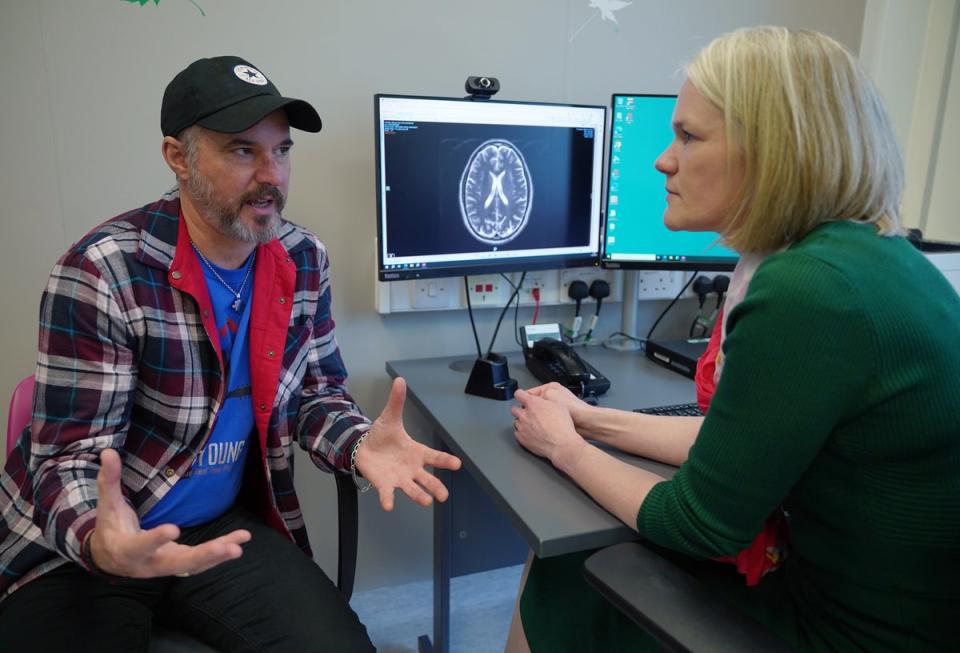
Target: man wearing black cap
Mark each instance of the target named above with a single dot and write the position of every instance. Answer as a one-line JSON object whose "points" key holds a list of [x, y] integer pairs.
{"points": [[184, 347]]}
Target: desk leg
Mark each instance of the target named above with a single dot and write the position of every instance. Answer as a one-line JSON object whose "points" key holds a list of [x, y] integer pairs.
{"points": [[442, 550]]}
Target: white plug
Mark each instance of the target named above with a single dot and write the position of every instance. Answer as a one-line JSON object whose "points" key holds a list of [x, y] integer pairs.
{"points": [[575, 329], [593, 323]]}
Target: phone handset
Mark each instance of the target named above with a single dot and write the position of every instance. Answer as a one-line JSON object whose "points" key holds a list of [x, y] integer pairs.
{"points": [[550, 359], [562, 358]]}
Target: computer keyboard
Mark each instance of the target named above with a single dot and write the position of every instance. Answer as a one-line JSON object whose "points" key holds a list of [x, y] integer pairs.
{"points": [[689, 410]]}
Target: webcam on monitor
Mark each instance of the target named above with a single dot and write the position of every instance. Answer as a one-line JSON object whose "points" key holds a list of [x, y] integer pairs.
{"points": [[481, 88]]}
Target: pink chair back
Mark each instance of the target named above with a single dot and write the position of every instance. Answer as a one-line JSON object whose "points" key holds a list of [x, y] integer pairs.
{"points": [[21, 410]]}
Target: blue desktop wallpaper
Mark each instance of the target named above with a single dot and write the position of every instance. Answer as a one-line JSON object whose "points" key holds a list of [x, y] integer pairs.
{"points": [[636, 197]]}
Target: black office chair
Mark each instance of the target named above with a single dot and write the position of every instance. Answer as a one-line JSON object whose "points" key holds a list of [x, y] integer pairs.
{"points": [[670, 604], [165, 640]]}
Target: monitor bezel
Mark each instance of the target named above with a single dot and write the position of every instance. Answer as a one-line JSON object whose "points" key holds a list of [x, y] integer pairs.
{"points": [[719, 265], [479, 267]]}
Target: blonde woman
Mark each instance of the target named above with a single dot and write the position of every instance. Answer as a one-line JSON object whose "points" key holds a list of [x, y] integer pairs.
{"points": [[838, 394]]}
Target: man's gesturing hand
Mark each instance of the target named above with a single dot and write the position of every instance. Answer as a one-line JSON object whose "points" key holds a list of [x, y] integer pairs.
{"points": [[120, 547], [390, 459]]}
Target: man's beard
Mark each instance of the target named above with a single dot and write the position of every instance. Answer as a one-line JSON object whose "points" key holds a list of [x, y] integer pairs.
{"points": [[225, 217]]}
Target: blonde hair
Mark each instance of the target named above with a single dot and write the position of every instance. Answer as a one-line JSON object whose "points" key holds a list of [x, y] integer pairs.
{"points": [[815, 140]]}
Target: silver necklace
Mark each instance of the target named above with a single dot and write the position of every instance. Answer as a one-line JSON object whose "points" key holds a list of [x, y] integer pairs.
{"points": [[237, 303]]}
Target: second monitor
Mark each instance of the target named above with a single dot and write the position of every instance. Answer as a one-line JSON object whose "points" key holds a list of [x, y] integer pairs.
{"points": [[634, 235]]}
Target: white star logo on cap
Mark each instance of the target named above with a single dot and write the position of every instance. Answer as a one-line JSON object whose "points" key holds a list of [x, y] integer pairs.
{"points": [[250, 75]]}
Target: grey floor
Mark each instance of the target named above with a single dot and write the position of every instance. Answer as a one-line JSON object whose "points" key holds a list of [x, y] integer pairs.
{"points": [[481, 606]]}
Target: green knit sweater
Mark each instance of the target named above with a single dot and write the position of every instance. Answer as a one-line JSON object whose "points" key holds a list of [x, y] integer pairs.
{"points": [[840, 401]]}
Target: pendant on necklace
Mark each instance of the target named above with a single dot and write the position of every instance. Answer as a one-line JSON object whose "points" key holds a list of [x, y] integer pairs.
{"points": [[237, 303]]}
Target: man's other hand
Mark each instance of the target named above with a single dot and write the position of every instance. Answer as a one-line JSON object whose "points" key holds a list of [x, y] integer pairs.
{"points": [[390, 459], [120, 547]]}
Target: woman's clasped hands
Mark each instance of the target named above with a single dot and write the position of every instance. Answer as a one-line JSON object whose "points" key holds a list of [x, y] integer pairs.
{"points": [[549, 421]]}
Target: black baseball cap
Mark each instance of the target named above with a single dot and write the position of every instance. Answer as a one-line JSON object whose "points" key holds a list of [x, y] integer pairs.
{"points": [[230, 95]]}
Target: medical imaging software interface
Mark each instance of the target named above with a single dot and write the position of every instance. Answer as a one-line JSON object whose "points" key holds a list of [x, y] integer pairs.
{"points": [[470, 186], [635, 235]]}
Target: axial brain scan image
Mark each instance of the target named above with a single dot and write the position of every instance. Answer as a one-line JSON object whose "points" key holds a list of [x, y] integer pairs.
{"points": [[496, 192]]}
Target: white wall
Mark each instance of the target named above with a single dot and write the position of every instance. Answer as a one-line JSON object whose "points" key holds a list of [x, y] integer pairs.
{"points": [[79, 123], [942, 203], [909, 47]]}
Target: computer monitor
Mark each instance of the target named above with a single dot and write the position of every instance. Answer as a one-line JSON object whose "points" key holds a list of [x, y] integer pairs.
{"points": [[634, 234], [484, 186]]}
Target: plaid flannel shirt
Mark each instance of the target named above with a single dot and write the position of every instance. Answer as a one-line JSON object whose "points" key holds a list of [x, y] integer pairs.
{"points": [[130, 359]]}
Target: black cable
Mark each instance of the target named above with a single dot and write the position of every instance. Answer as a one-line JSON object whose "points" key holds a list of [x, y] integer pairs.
{"points": [[516, 326], [599, 290], [702, 286], [516, 294], [670, 305], [624, 335], [698, 321], [476, 338], [577, 291], [516, 311]]}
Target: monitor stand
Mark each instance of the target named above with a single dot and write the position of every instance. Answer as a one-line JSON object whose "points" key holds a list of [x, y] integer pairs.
{"points": [[628, 320]]}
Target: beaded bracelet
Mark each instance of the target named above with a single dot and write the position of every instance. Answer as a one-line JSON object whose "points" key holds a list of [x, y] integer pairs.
{"points": [[353, 466]]}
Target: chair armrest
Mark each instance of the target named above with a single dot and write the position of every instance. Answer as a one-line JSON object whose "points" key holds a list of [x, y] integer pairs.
{"points": [[346, 533], [670, 604]]}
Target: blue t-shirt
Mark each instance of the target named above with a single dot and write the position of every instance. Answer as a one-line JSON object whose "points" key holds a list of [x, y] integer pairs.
{"points": [[211, 484]]}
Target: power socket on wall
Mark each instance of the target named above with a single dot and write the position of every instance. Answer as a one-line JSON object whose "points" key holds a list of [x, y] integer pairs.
{"points": [[588, 276], [659, 284], [493, 291], [433, 293]]}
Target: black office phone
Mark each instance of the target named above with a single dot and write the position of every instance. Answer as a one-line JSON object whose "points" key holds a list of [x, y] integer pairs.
{"points": [[550, 359]]}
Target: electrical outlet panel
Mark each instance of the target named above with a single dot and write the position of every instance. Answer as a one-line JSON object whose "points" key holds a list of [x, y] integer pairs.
{"points": [[534, 282], [588, 276], [488, 290], [433, 293], [659, 284], [544, 281], [493, 291]]}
